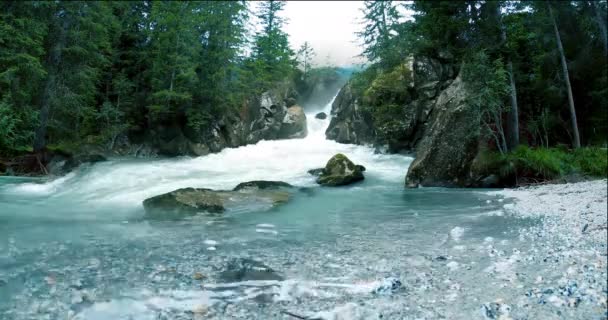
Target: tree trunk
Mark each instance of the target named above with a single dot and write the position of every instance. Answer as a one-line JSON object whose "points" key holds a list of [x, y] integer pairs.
{"points": [[577, 141], [513, 114], [601, 23], [54, 60]]}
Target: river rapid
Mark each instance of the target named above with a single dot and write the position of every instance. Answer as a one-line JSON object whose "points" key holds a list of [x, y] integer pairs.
{"points": [[77, 247]]}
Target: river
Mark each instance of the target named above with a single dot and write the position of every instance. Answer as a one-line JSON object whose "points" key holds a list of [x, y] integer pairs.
{"points": [[77, 247]]}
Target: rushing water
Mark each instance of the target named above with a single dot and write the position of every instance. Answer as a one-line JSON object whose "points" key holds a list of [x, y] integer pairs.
{"points": [[76, 247]]}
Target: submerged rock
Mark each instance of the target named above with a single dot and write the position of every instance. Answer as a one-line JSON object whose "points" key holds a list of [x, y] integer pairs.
{"points": [[340, 171], [243, 269], [186, 202], [321, 115]]}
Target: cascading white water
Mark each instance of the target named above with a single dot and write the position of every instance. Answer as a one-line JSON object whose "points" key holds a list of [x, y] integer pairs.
{"points": [[128, 182], [77, 247]]}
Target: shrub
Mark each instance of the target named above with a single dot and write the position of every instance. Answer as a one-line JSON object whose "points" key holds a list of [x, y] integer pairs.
{"points": [[590, 161], [544, 163]]}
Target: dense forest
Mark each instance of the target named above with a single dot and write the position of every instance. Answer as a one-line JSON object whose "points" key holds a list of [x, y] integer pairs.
{"points": [[86, 71], [536, 72], [74, 72]]}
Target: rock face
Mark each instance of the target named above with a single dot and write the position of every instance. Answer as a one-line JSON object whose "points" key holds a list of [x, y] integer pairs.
{"points": [[294, 124], [340, 171], [186, 202], [445, 153], [349, 123], [321, 115], [434, 121], [274, 118]]}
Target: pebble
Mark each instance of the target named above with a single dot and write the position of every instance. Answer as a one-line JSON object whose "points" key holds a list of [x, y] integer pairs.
{"points": [[388, 286]]}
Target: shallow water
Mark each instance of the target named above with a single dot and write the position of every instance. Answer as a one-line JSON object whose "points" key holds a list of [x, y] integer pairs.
{"points": [[77, 247]]}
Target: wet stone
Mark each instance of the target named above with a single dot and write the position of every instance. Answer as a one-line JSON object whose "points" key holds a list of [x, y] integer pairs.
{"points": [[244, 269]]}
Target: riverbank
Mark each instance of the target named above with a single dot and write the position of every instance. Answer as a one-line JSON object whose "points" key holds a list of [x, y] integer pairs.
{"points": [[569, 245]]}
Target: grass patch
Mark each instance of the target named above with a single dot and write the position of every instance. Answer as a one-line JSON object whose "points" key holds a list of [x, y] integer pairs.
{"points": [[542, 164]]}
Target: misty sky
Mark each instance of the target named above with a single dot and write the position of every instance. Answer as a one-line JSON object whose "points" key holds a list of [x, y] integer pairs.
{"points": [[329, 26]]}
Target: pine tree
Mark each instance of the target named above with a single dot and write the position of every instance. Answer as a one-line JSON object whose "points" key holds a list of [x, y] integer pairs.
{"points": [[306, 53], [22, 32], [272, 56], [380, 18], [75, 46], [173, 51]]}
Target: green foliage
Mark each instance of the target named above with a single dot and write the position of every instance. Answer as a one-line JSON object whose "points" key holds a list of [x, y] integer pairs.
{"points": [[545, 163], [272, 57], [68, 66], [381, 19], [16, 126], [591, 161], [389, 86]]}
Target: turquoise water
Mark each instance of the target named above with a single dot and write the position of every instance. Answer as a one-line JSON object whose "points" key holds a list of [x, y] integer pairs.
{"points": [[77, 247]]}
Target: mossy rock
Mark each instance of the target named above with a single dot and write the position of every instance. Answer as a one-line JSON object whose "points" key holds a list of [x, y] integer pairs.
{"points": [[340, 171], [187, 202], [183, 202]]}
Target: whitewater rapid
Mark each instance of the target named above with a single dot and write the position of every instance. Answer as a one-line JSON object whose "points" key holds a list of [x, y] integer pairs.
{"points": [[127, 182]]}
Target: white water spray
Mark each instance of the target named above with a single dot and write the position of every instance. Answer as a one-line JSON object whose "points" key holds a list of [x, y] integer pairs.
{"points": [[128, 182]]}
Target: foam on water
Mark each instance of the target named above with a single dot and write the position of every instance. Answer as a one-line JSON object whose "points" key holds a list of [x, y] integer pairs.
{"points": [[126, 182]]}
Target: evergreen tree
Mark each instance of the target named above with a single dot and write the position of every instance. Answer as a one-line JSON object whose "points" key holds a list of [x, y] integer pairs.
{"points": [[75, 53], [380, 19], [272, 56], [173, 53], [305, 55], [22, 33]]}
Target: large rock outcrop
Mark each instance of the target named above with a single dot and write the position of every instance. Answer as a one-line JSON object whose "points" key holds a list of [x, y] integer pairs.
{"points": [[431, 118], [445, 153], [294, 124], [349, 122], [402, 120]]}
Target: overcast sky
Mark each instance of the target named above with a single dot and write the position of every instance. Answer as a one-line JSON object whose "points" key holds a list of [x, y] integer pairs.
{"points": [[329, 26]]}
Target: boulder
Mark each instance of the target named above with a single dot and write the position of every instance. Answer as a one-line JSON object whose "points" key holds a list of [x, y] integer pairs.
{"points": [[349, 122], [340, 171], [293, 124], [450, 143], [186, 202], [321, 115]]}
